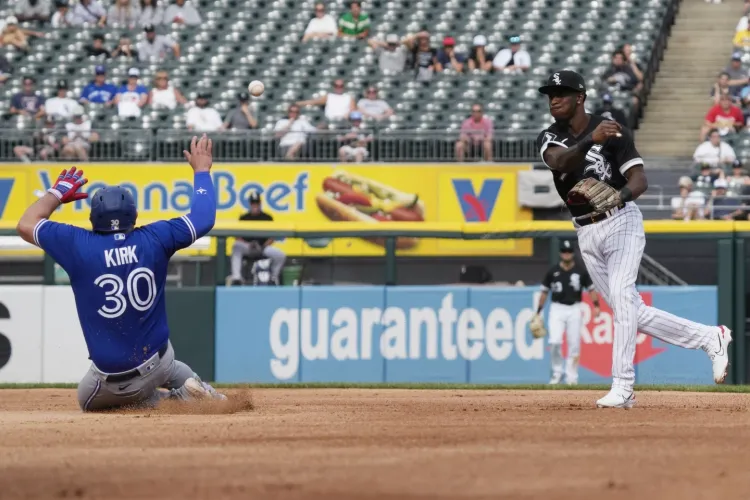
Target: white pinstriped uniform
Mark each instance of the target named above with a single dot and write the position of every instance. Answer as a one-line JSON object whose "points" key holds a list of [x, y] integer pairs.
{"points": [[612, 251]]}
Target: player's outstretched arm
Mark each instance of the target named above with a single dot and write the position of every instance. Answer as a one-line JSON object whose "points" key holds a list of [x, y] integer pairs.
{"points": [[202, 214], [64, 190]]}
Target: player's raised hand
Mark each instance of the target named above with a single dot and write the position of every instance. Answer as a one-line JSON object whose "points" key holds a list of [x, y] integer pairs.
{"points": [[200, 156], [67, 185], [605, 130]]}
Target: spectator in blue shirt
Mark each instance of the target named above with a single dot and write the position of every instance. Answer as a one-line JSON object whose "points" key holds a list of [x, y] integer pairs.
{"points": [[98, 91], [449, 58], [131, 97], [28, 102]]}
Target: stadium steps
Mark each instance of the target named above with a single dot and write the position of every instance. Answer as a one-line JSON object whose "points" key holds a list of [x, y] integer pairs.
{"points": [[699, 48]]}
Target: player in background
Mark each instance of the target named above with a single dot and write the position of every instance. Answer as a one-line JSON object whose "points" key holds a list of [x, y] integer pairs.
{"points": [[566, 281], [577, 146], [118, 274]]}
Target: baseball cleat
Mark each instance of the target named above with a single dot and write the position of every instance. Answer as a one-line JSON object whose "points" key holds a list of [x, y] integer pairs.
{"points": [[617, 398], [556, 379], [213, 392], [719, 354], [195, 389]]}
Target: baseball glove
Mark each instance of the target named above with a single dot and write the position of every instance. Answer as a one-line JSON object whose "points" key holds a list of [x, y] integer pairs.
{"points": [[537, 327], [600, 195]]}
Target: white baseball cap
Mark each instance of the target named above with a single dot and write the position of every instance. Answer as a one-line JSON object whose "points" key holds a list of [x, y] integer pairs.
{"points": [[134, 72], [11, 20], [720, 183], [391, 38], [480, 41]]}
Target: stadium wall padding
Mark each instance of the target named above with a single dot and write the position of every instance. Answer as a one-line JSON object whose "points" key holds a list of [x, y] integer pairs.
{"points": [[430, 334], [192, 321]]}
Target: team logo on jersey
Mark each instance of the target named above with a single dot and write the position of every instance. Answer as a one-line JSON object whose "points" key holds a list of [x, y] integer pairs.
{"points": [[575, 281], [477, 208], [598, 164], [119, 236], [556, 79], [201, 191], [597, 335], [114, 224]]}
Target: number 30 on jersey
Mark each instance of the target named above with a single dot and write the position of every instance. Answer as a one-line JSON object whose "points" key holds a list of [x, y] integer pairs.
{"points": [[116, 302]]}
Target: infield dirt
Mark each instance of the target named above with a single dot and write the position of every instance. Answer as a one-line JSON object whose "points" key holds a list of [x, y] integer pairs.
{"points": [[372, 443]]}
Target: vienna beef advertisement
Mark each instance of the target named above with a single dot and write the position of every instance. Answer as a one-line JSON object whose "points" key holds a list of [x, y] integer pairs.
{"points": [[309, 194]]}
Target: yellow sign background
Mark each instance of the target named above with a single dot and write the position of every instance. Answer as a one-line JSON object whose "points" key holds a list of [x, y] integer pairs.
{"points": [[289, 191]]}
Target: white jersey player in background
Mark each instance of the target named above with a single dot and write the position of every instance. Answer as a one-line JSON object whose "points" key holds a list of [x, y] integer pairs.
{"points": [[579, 145], [566, 282]]}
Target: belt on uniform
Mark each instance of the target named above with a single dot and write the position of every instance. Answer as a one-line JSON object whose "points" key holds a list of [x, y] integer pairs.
{"points": [[591, 219], [131, 374]]}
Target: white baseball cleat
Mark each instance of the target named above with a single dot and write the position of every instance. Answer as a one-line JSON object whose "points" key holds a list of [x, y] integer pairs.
{"points": [[617, 398], [195, 389], [198, 389], [556, 379], [719, 354]]}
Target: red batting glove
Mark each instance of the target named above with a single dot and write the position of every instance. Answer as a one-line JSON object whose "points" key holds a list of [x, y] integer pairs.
{"points": [[67, 186]]}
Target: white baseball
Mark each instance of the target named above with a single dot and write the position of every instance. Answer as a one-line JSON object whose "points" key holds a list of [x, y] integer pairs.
{"points": [[256, 88]]}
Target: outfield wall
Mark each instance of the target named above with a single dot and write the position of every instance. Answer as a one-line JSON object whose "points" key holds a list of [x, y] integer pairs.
{"points": [[350, 334]]}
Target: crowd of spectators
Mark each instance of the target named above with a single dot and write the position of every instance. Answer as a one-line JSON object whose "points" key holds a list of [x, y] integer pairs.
{"points": [[413, 53], [719, 186]]}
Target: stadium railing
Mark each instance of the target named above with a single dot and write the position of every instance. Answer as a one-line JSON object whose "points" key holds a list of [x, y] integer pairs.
{"points": [[141, 145]]}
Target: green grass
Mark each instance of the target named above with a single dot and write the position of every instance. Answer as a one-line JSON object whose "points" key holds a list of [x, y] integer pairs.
{"points": [[435, 386]]}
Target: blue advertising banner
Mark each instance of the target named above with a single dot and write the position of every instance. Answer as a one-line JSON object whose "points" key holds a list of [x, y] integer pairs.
{"points": [[430, 334]]}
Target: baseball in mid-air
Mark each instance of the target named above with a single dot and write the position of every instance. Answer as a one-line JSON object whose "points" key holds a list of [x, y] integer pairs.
{"points": [[256, 88]]}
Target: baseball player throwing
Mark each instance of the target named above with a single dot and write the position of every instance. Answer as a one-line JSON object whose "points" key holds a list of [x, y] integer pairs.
{"points": [[118, 273], [598, 172], [566, 282]]}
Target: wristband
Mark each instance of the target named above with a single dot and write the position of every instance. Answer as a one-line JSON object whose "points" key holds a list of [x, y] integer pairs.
{"points": [[626, 194]]}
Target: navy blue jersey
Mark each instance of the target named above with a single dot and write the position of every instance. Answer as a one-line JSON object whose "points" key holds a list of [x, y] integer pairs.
{"points": [[118, 279]]}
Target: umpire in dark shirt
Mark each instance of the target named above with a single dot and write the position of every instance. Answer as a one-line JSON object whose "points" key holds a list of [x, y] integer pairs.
{"points": [[256, 247]]}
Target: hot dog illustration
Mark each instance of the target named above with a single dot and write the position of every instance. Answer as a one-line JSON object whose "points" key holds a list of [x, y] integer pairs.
{"points": [[349, 197]]}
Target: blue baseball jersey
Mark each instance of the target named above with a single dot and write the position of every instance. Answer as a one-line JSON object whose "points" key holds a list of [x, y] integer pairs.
{"points": [[118, 279]]}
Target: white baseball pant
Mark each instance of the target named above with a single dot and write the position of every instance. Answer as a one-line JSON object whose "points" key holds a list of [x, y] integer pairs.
{"points": [[567, 319], [612, 251]]}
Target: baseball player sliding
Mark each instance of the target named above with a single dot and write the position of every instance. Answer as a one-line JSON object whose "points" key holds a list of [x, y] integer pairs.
{"points": [[118, 273], [598, 172], [566, 282]]}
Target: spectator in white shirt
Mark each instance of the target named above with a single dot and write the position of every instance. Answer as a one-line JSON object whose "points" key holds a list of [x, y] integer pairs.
{"points": [[156, 48], [742, 25], [63, 17], [164, 95], [89, 12], [690, 204], [77, 142], [33, 10], [321, 26], [132, 97], [61, 106], [123, 14], [150, 13], [338, 104], [181, 12], [202, 117], [292, 133], [714, 152], [513, 59], [373, 108]]}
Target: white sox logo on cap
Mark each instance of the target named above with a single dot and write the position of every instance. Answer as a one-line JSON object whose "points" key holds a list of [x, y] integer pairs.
{"points": [[556, 79]]}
